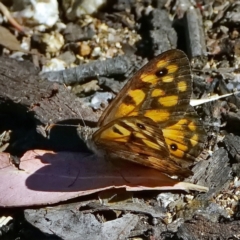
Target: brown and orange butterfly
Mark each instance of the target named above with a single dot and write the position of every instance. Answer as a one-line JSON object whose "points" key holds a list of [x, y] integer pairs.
{"points": [[151, 122]]}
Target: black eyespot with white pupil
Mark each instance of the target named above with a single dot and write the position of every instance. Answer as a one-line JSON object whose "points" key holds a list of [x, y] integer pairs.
{"points": [[174, 146], [162, 72], [141, 126]]}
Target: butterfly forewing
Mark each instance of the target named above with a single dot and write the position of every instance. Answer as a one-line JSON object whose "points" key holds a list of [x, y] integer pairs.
{"points": [[160, 90]]}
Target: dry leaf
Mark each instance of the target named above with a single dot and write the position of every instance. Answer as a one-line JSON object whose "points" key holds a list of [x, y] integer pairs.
{"points": [[8, 40], [48, 177]]}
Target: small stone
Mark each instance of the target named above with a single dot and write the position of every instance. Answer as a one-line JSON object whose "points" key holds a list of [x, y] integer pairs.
{"points": [[54, 41], [85, 50], [96, 52]]}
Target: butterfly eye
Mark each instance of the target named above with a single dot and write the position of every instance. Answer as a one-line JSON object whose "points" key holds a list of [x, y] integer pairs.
{"points": [[173, 146], [162, 72], [141, 126]]}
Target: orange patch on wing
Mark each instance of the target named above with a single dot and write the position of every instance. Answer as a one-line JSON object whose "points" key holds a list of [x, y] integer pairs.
{"points": [[137, 95], [161, 64], [109, 133], [182, 86], [157, 92], [180, 125], [150, 144], [168, 101], [172, 68], [194, 140], [132, 114], [127, 109], [167, 79], [157, 115], [192, 126], [174, 135], [124, 110], [149, 78], [182, 121]]}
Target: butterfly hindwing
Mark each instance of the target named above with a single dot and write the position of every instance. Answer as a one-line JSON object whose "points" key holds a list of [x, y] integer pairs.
{"points": [[140, 140], [160, 90]]}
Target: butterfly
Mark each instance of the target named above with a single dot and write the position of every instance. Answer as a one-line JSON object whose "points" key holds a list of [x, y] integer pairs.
{"points": [[151, 122]]}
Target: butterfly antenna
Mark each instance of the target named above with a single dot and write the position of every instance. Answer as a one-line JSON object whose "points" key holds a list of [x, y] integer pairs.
{"points": [[79, 113]]}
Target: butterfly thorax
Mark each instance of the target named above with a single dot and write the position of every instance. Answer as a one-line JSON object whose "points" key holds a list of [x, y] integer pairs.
{"points": [[86, 133]]}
